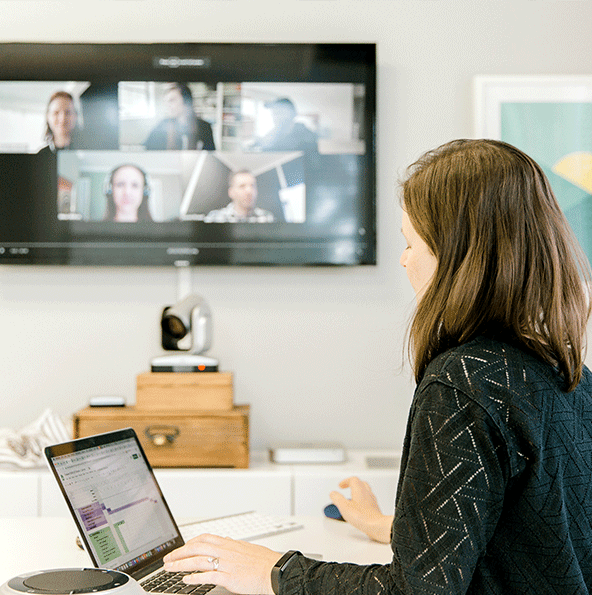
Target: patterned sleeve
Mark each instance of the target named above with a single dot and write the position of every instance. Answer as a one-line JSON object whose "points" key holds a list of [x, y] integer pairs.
{"points": [[448, 502]]}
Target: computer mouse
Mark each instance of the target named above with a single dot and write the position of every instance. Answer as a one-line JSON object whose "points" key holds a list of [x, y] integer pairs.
{"points": [[332, 512]]}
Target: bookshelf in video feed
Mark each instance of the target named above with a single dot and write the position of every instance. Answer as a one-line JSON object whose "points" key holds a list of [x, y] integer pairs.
{"points": [[123, 518], [187, 154]]}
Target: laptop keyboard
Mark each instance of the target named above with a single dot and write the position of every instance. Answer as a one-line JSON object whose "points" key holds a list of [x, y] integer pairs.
{"points": [[172, 582], [245, 526]]}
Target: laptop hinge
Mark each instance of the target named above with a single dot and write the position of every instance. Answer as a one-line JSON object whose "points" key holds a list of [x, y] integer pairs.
{"points": [[139, 574]]}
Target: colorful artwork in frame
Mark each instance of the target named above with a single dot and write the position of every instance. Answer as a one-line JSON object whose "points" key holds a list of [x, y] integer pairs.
{"points": [[550, 119]]}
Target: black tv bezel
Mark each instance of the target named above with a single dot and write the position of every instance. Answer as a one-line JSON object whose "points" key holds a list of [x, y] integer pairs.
{"points": [[236, 244]]}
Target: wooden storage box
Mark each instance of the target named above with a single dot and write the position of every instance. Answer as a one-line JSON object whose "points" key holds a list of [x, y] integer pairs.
{"points": [[177, 438], [184, 391]]}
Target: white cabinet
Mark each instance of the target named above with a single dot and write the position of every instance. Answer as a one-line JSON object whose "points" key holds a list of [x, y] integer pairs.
{"points": [[51, 501], [198, 493], [313, 483], [204, 493], [217, 492], [18, 496]]}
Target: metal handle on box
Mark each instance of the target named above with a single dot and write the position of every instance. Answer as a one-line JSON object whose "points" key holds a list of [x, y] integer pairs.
{"points": [[161, 435]]}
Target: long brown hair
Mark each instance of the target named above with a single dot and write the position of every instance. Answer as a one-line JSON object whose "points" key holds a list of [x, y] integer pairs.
{"points": [[508, 265]]}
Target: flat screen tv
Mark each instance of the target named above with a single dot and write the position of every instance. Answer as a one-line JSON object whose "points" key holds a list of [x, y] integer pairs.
{"points": [[187, 153]]}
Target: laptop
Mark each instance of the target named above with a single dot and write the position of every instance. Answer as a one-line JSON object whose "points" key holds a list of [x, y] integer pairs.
{"points": [[121, 514]]}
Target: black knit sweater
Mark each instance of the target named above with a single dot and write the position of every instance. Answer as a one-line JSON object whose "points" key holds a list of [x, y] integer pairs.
{"points": [[495, 491]]}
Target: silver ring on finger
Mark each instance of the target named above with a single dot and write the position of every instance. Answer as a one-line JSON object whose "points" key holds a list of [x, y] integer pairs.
{"points": [[215, 562]]}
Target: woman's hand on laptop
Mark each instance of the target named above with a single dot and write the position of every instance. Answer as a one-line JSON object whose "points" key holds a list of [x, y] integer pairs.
{"points": [[238, 566]]}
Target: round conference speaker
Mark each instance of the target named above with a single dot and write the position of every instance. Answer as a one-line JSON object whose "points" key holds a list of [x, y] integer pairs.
{"points": [[66, 581]]}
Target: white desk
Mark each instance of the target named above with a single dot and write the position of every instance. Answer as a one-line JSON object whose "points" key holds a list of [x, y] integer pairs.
{"points": [[28, 544]]}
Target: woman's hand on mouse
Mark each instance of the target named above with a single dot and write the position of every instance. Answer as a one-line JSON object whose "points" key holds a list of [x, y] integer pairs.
{"points": [[362, 511], [238, 566]]}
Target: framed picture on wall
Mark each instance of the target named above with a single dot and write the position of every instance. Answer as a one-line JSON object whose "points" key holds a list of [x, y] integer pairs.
{"points": [[550, 119]]}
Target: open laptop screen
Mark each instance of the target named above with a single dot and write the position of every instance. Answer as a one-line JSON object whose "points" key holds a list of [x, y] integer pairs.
{"points": [[112, 493]]}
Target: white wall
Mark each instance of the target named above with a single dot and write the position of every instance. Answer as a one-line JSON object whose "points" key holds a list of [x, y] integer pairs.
{"points": [[317, 353]]}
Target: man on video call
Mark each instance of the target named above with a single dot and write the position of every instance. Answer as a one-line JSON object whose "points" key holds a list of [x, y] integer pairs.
{"points": [[242, 190], [287, 133]]}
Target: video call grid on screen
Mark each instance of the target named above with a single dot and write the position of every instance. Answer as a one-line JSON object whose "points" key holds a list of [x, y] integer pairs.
{"points": [[304, 147], [184, 183]]}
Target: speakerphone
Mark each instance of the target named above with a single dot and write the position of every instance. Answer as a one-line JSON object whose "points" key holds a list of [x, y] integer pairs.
{"points": [[70, 581]]}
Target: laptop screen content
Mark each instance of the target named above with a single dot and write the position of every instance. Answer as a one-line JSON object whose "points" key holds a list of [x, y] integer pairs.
{"points": [[116, 502]]}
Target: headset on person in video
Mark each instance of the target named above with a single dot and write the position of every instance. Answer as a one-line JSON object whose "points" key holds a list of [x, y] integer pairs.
{"points": [[494, 491], [127, 192]]}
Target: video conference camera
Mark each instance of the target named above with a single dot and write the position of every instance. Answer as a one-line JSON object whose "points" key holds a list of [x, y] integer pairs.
{"points": [[186, 326]]}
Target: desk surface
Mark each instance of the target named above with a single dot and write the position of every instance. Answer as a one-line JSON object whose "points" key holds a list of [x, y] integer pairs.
{"points": [[38, 543]]}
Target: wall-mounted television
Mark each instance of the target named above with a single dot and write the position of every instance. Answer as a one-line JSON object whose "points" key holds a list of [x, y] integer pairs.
{"points": [[187, 154]]}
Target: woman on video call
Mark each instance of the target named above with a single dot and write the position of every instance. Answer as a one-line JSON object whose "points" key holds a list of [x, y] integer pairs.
{"points": [[127, 193], [494, 493], [61, 118]]}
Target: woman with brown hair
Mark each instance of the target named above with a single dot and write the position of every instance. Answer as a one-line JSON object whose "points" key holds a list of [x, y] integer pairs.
{"points": [[494, 492], [60, 122], [127, 193]]}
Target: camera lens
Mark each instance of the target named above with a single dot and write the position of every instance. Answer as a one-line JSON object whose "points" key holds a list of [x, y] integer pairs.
{"points": [[174, 327]]}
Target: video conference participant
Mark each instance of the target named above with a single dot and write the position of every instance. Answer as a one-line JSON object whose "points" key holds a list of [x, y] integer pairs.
{"points": [[287, 134], [494, 493], [61, 118], [242, 190], [127, 192], [182, 129]]}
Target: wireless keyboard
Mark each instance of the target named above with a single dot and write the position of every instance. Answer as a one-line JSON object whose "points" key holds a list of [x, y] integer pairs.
{"points": [[245, 526]]}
